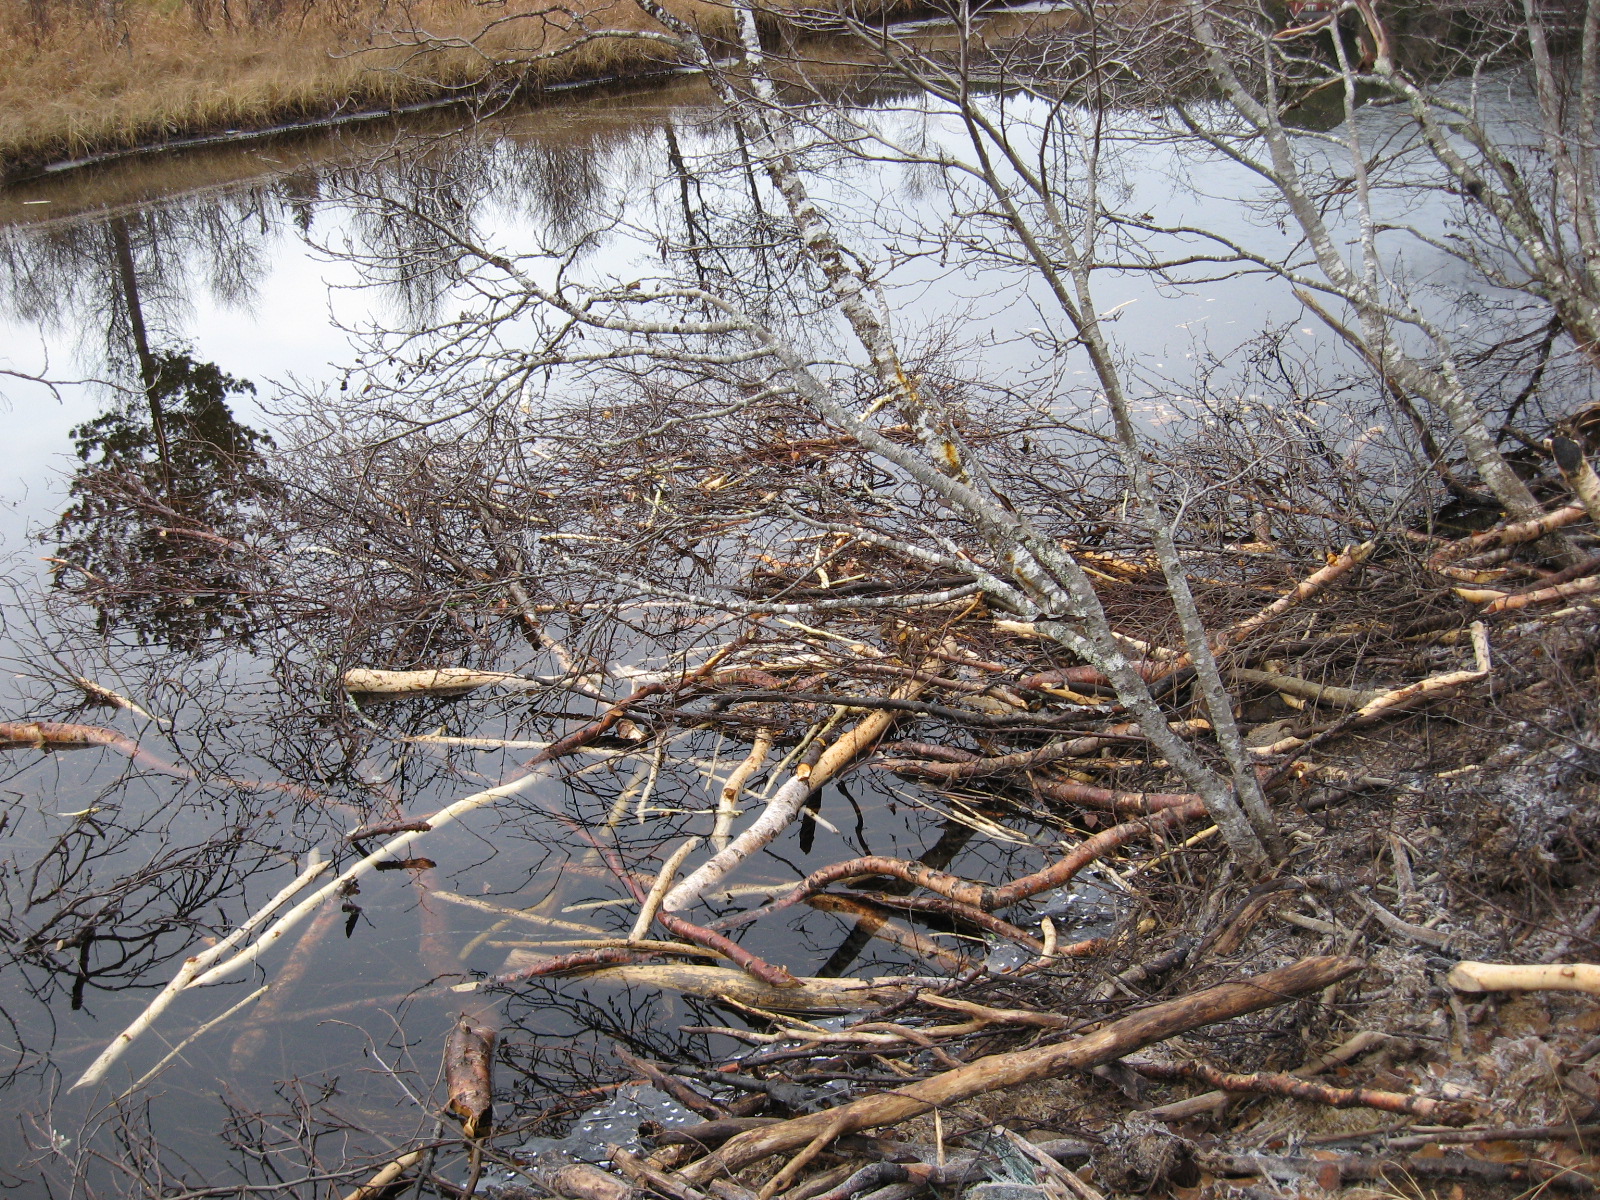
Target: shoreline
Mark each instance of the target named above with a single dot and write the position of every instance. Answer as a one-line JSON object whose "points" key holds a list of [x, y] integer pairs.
{"points": [[85, 114], [237, 137]]}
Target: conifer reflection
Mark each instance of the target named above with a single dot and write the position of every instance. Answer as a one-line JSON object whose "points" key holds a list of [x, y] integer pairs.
{"points": [[164, 503]]}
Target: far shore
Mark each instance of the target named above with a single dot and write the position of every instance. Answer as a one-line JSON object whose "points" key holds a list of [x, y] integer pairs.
{"points": [[169, 76]]}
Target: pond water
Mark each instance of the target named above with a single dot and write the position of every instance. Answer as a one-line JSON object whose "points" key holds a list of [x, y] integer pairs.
{"points": [[275, 263]]}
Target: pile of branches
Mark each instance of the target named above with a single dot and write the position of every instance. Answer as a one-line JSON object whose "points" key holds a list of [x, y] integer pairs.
{"points": [[833, 657]]}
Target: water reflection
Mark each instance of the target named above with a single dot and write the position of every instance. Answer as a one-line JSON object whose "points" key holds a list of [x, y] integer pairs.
{"points": [[165, 505]]}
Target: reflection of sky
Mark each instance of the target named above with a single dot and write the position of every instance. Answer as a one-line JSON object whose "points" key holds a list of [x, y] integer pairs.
{"points": [[284, 328]]}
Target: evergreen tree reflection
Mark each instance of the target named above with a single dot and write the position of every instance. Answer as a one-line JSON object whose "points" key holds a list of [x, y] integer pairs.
{"points": [[167, 499]]}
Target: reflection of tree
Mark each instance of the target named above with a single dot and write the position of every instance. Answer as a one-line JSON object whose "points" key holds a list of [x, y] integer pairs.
{"points": [[163, 505]]}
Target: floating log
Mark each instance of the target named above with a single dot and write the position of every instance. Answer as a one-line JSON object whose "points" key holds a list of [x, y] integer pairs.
{"points": [[468, 1068]]}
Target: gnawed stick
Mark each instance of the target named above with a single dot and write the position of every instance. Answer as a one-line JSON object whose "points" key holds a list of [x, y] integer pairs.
{"points": [[1506, 977], [101, 694], [998, 1071], [811, 994], [728, 798], [1577, 472], [1500, 602], [359, 868], [1390, 702], [62, 735], [533, 771], [1507, 535], [468, 1067], [1306, 689], [1339, 566], [192, 967], [658, 890], [439, 680], [1267, 1083], [581, 1181], [386, 1175]]}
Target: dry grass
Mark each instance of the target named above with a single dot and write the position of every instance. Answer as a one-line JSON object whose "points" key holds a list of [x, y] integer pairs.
{"points": [[87, 85]]}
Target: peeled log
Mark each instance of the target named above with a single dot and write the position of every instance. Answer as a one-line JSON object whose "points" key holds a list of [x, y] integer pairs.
{"points": [[580, 1181], [997, 1071], [811, 994], [468, 1063], [448, 680], [1580, 476], [1504, 977]]}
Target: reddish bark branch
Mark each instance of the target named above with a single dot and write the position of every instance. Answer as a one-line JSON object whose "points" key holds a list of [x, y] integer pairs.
{"points": [[1268, 1084], [578, 959], [980, 895], [701, 936]]}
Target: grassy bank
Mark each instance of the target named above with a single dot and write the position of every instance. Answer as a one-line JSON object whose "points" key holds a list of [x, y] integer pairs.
{"points": [[87, 79]]}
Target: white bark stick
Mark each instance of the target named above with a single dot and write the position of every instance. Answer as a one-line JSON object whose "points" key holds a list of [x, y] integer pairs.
{"points": [[362, 867], [1504, 977], [192, 967], [658, 890], [728, 800]]}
